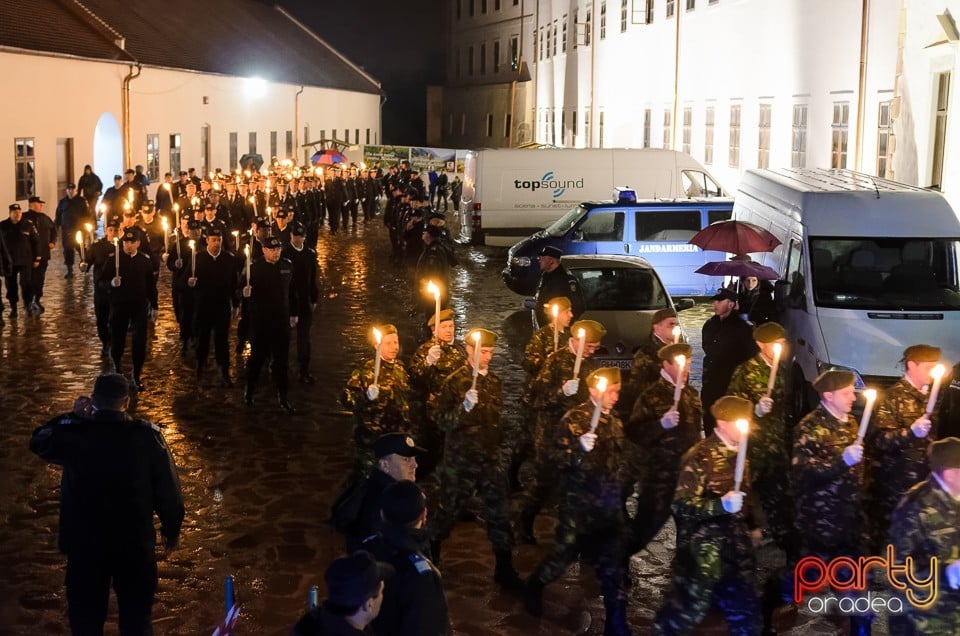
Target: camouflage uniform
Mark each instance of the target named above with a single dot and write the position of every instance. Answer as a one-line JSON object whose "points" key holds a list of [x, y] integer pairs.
{"points": [[925, 524], [590, 520], [894, 458], [768, 450], [389, 413], [662, 450], [474, 458], [425, 383], [644, 371], [547, 398], [714, 561]]}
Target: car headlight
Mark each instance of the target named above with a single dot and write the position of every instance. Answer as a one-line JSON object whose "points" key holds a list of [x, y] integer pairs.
{"points": [[858, 383], [520, 261]]}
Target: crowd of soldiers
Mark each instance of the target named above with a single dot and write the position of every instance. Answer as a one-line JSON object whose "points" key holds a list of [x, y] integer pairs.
{"points": [[812, 487]]}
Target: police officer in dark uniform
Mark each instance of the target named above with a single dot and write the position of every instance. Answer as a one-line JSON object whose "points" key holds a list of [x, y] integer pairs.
{"points": [[133, 290], [281, 225], [336, 198], [304, 261], [414, 603], [97, 257], [179, 265], [46, 238], [555, 281], [211, 221], [215, 297], [22, 256], [117, 472], [269, 293]]}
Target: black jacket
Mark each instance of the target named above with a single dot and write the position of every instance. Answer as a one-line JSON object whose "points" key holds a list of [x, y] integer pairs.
{"points": [[216, 287], [117, 471], [271, 295], [90, 186], [414, 603], [21, 242], [137, 284], [726, 343], [304, 284], [367, 520], [320, 622], [97, 257], [46, 232], [559, 283], [72, 214]]}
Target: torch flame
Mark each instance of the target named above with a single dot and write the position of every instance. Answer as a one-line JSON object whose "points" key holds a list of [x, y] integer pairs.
{"points": [[79, 237], [870, 395], [581, 334], [377, 335], [163, 222], [192, 243], [777, 349], [433, 289], [681, 361], [601, 384], [88, 227], [937, 372], [743, 426], [556, 310]]}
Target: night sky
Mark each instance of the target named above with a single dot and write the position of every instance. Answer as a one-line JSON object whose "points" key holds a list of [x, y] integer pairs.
{"points": [[401, 44]]}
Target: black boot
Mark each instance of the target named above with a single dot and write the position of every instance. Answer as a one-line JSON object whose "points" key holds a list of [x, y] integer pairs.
{"points": [[533, 596], [248, 395], [284, 404], [503, 574], [616, 624]]}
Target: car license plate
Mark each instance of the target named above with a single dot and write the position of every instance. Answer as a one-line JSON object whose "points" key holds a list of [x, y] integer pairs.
{"points": [[613, 362]]}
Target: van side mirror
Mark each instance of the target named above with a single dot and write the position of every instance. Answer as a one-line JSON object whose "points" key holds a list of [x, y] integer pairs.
{"points": [[577, 235], [683, 303]]}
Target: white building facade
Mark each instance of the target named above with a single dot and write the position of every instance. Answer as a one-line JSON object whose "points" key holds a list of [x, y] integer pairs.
{"points": [[738, 84]]}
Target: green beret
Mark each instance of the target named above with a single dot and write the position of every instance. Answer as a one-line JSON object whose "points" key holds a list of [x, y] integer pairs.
{"points": [[611, 374], [385, 330], [731, 408], [593, 330], [663, 314], [487, 337], [944, 453], [921, 353], [833, 380], [445, 314], [562, 303], [769, 332], [671, 351]]}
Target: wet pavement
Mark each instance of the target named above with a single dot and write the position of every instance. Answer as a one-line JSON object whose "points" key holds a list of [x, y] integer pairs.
{"points": [[257, 484]]}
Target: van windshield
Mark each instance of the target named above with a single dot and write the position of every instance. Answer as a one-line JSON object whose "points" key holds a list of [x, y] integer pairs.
{"points": [[886, 273], [561, 226]]}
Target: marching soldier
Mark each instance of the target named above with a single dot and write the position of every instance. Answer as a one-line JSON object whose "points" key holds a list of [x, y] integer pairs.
{"points": [[663, 432], [827, 476], [352, 187], [269, 293], [215, 291], [554, 392], [714, 562], [96, 257], [769, 451], [183, 298], [379, 402], [336, 199], [546, 341], [590, 518], [469, 408], [924, 526], [133, 290], [304, 261], [430, 365], [895, 447], [646, 365]]}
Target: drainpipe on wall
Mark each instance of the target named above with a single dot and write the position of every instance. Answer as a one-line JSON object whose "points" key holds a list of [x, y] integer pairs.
{"points": [[594, 18], [296, 124], [861, 91], [536, 64], [125, 115], [676, 79]]}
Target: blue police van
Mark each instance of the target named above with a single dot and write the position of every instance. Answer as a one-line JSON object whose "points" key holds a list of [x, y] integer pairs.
{"points": [[656, 229]]}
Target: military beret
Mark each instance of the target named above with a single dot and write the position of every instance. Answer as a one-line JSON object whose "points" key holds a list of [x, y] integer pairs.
{"points": [[610, 374], [671, 351], [593, 330], [944, 453], [297, 229], [445, 314], [385, 330], [213, 231], [131, 236], [731, 408], [487, 337], [272, 243], [921, 353], [833, 380], [402, 502], [562, 303], [110, 387], [550, 250], [724, 294], [769, 332], [663, 314]]}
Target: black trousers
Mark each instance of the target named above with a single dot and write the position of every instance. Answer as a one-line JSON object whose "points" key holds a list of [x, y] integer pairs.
{"points": [[273, 341], [132, 316], [101, 309], [88, 581], [184, 307], [216, 320], [38, 278], [25, 274], [69, 248], [304, 321]]}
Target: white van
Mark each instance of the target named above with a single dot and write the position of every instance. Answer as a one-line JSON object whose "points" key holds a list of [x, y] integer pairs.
{"points": [[509, 194], [868, 267]]}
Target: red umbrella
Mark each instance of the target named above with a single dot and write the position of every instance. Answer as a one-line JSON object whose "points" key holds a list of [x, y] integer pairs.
{"points": [[735, 237], [738, 268]]}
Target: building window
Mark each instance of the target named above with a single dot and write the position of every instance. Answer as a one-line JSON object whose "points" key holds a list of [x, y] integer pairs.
{"points": [[940, 129], [623, 16], [576, 26], [153, 157], [507, 123], [25, 170], [234, 156], [496, 56], [735, 136], [470, 61], [450, 124], [356, 135], [601, 128], [798, 145], [691, 5], [456, 63], [587, 25], [252, 143], [483, 7], [489, 125], [458, 9], [883, 138], [553, 127], [205, 149], [367, 138], [573, 128], [667, 130], [483, 59], [563, 127], [333, 134], [687, 128], [648, 14], [472, 7], [496, 5], [713, 1], [839, 132], [763, 139], [547, 28], [515, 52], [541, 43], [555, 38], [647, 123], [175, 153], [289, 145], [708, 122], [670, 8], [463, 124], [563, 29], [273, 144], [603, 20]]}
